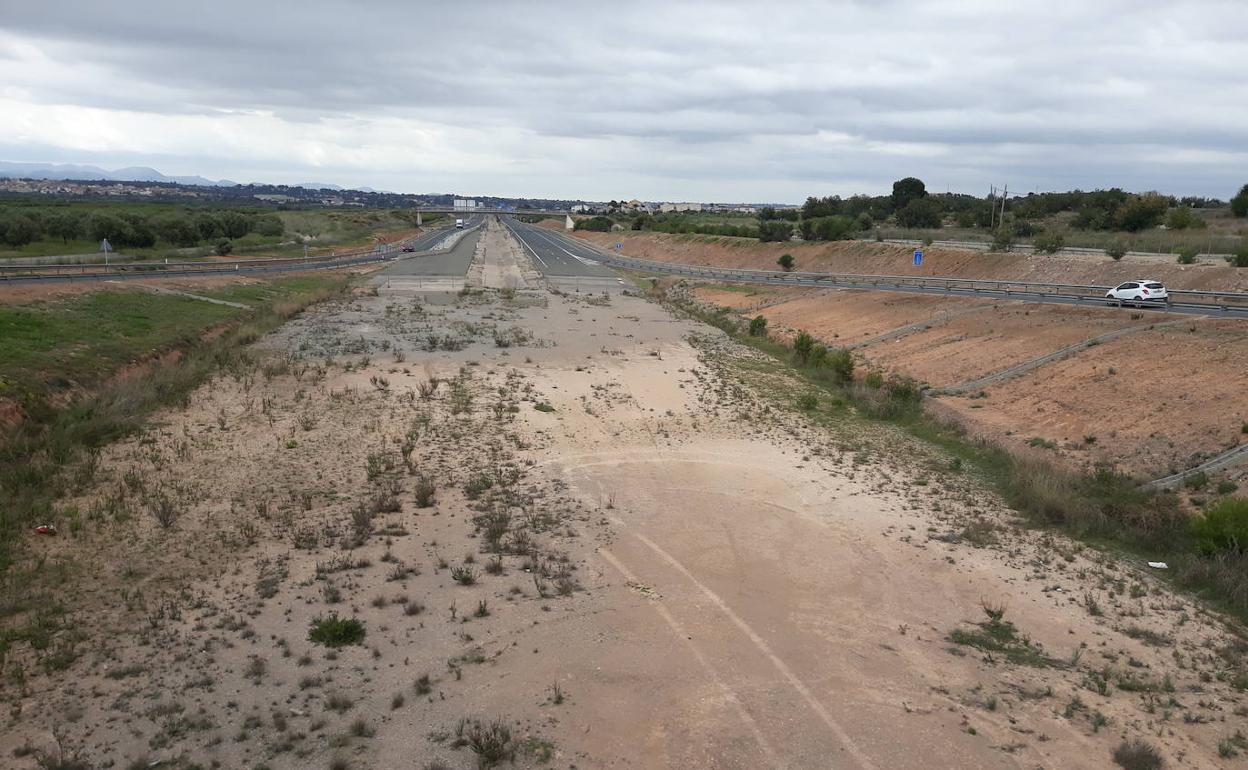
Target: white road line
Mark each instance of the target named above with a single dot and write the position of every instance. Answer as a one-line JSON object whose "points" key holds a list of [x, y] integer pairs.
{"points": [[582, 260], [525, 244], [764, 648], [687, 638]]}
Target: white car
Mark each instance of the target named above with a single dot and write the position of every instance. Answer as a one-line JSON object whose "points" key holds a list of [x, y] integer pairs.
{"points": [[1138, 293]]}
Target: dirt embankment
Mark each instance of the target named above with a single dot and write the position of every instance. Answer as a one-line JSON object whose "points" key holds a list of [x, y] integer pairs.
{"points": [[890, 259], [1162, 397]]}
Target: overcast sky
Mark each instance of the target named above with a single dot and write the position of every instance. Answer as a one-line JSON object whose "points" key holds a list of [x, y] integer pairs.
{"points": [[725, 101]]}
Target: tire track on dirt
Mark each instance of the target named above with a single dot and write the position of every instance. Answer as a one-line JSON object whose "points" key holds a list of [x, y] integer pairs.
{"points": [[710, 670], [761, 644]]}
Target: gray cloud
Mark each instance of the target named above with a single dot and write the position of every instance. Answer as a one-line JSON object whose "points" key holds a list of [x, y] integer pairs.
{"points": [[727, 100]]}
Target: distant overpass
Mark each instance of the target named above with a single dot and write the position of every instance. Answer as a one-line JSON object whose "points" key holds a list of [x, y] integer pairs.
{"points": [[488, 210]]}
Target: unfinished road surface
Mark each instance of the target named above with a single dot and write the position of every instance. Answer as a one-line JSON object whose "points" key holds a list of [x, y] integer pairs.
{"points": [[420, 528]]}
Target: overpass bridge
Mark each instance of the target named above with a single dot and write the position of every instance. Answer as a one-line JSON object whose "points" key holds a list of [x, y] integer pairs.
{"points": [[490, 210]]}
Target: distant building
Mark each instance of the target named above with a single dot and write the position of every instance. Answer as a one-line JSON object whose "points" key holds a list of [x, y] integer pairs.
{"points": [[581, 208], [671, 207]]}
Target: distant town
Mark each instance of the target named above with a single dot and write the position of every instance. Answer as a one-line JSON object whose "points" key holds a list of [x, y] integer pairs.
{"points": [[301, 196]]}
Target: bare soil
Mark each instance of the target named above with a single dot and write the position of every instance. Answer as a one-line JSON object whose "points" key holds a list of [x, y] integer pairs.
{"points": [[671, 567], [967, 347], [845, 318], [1156, 403], [1163, 398]]}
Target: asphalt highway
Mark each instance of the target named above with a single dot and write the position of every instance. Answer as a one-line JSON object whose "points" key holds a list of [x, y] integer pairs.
{"points": [[884, 284], [453, 263], [555, 255]]}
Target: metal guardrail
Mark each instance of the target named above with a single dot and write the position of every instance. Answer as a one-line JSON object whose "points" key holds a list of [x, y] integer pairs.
{"points": [[1179, 299]]}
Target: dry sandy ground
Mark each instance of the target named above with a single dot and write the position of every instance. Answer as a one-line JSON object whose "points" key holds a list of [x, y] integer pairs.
{"points": [[891, 259], [670, 568]]}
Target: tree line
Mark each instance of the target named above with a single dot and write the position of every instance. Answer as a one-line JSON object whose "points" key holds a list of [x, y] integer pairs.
{"points": [[911, 206], [20, 226]]}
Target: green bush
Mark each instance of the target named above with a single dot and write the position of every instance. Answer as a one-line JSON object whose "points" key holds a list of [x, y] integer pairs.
{"points": [[775, 230], [896, 398], [1183, 218], [1223, 528], [833, 228], [1049, 243], [1187, 255], [1141, 212], [596, 224], [803, 347], [841, 362], [785, 262], [336, 632], [758, 326], [19, 231], [1138, 755], [920, 212], [1239, 204], [1240, 258], [1002, 239], [1116, 250]]}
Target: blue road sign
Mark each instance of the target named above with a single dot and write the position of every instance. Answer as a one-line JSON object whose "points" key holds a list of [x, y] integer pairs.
{"points": [[619, 246], [918, 257]]}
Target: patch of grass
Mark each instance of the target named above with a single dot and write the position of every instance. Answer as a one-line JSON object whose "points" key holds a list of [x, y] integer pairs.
{"points": [[334, 631], [1138, 755], [338, 702], [424, 685], [543, 407], [426, 492], [492, 742], [980, 533], [52, 350], [1148, 636], [999, 636], [1223, 528]]}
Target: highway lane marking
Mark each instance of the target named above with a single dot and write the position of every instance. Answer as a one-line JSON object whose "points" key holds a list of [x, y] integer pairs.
{"points": [[580, 259], [525, 244]]}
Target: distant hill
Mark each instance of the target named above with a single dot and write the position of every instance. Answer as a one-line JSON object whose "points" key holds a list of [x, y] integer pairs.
{"points": [[318, 186], [88, 173]]}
